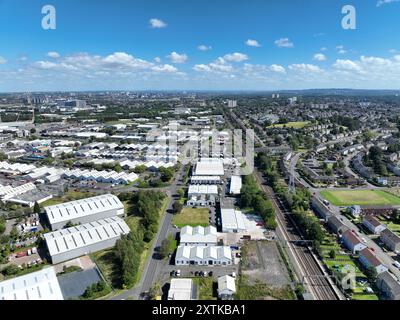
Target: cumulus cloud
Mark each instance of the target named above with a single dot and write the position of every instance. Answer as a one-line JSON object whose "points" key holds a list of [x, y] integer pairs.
{"points": [[319, 57], [304, 67], [277, 68], [157, 23], [164, 68], [252, 43], [340, 49], [2, 60], [177, 58], [284, 43], [236, 57], [53, 54], [204, 47], [157, 59]]}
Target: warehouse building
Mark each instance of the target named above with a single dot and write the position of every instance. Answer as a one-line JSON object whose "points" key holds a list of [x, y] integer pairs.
{"points": [[39, 285], [204, 255], [205, 180], [232, 221], [236, 185], [192, 236], [84, 210], [202, 195], [226, 287], [182, 289], [209, 167], [70, 243]]}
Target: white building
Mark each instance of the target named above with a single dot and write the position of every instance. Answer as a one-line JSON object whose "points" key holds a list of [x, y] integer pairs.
{"points": [[202, 195], [232, 221], [84, 210], [232, 103], [205, 180], [181, 289], [226, 287], [209, 167], [355, 211], [352, 241], [70, 243], [369, 259], [192, 236], [373, 225], [236, 185], [203, 255], [39, 285]]}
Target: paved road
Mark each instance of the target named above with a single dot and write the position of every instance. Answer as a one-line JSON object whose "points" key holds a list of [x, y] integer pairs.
{"points": [[154, 265]]}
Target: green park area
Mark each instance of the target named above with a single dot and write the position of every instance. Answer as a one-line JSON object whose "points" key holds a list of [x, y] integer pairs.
{"points": [[192, 217], [293, 125], [360, 197]]}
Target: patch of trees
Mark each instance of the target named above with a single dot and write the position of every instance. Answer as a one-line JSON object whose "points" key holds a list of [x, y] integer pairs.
{"points": [[375, 159], [96, 290], [351, 123], [251, 196]]}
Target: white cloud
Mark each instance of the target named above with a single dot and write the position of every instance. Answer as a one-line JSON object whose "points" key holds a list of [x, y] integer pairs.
{"points": [[383, 2], [319, 57], [253, 43], [323, 49], [304, 67], [2, 60], [53, 54], [346, 65], [177, 58], [284, 43], [236, 57], [340, 49], [157, 59], [157, 23], [164, 68], [204, 47], [277, 68]]}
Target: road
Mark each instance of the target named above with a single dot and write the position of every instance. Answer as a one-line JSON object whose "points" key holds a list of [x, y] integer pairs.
{"points": [[154, 265]]}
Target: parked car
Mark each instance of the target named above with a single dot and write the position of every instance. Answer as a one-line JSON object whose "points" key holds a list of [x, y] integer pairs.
{"points": [[397, 264]]}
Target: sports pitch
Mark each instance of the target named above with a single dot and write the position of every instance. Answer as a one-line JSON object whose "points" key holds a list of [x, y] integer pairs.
{"points": [[360, 197]]}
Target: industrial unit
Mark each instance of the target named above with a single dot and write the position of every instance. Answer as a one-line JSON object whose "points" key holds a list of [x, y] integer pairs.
{"points": [[76, 241], [198, 236], [204, 255], [84, 210], [232, 221], [39, 285]]}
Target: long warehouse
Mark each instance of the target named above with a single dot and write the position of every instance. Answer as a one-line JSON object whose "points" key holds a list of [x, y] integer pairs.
{"points": [[84, 210], [39, 285], [70, 243]]}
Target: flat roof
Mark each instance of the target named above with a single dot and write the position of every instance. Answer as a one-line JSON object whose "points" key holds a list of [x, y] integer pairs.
{"points": [[180, 289], [232, 219], [203, 189], [209, 167], [68, 211], [236, 184], [39, 285], [84, 235]]}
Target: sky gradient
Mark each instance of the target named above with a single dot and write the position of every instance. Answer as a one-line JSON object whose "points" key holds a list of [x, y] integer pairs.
{"points": [[198, 45]]}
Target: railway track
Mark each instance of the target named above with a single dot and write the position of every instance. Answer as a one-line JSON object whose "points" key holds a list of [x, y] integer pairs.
{"points": [[315, 280]]}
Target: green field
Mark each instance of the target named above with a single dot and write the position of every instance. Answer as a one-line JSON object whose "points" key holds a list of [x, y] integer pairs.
{"points": [[360, 197], [294, 125], [192, 217]]}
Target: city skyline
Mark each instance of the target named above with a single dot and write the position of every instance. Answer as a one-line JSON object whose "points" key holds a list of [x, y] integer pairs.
{"points": [[198, 46]]}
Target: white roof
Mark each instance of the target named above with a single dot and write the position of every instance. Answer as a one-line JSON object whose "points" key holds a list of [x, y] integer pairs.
{"points": [[198, 234], [84, 235], [180, 289], [81, 208], [232, 219], [205, 178], [236, 184], [209, 167], [203, 252], [39, 285], [203, 189], [226, 283]]}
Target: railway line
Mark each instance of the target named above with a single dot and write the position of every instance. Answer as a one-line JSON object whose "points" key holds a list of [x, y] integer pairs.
{"points": [[313, 275]]}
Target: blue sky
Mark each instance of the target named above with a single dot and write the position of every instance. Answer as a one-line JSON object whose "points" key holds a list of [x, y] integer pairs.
{"points": [[246, 45]]}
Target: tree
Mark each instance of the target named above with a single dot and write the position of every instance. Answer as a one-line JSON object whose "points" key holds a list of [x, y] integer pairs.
{"points": [[177, 207], [332, 254], [155, 290], [164, 248], [371, 274], [36, 208]]}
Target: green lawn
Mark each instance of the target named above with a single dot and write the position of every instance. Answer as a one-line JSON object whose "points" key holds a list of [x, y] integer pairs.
{"points": [[360, 197], [205, 288], [192, 217], [294, 125]]}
